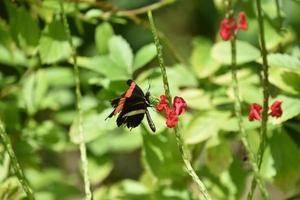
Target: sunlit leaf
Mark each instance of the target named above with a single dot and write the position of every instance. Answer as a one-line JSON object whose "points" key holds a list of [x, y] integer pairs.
{"points": [[102, 35], [144, 55], [221, 52]]}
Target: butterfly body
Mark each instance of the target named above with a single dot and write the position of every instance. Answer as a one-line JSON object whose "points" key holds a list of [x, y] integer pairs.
{"points": [[132, 106]]}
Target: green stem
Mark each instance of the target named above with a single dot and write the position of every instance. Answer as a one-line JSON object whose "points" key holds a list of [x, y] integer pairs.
{"points": [[82, 147], [278, 10], [15, 164], [179, 139], [264, 126]]}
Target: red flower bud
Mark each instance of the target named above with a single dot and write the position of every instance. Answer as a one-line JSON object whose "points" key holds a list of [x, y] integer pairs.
{"points": [[226, 30], [276, 110], [243, 25], [255, 112], [172, 117], [180, 105], [162, 105]]}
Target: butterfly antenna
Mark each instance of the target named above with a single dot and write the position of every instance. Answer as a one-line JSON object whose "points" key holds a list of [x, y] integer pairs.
{"points": [[149, 83]]}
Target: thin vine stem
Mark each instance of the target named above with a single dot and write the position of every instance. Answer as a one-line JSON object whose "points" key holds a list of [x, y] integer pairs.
{"points": [[264, 123], [238, 109], [179, 139], [82, 147], [14, 162]]}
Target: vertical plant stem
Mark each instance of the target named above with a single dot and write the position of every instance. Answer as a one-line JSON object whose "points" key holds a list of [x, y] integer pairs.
{"points": [[278, 10], [82, 147], [238, 109], [264, 123], [14, 162], [179, 139]]}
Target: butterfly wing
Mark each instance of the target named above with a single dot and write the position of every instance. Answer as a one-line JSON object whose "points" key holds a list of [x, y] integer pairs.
{"points": [[133, 112]]}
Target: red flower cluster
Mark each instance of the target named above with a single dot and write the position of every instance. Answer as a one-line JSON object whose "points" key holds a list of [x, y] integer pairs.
{"points": [[255, 111], [178, 108], [229, 27]]}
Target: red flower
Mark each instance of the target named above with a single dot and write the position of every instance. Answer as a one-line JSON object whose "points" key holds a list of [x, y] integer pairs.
{"points": [[180, 105], [162, 105], [229, 27], [276, 110], [243, 25], [255, 112], [172, 117]]}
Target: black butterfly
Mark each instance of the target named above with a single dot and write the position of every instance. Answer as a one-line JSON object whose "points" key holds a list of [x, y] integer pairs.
{"points": [[132, 106]]}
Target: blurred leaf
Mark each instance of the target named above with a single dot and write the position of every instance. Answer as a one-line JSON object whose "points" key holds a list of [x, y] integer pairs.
{"points": [[20, 21], [219, 157], [197, 99], [181, 76], [202, 62], [59, 76], [13, 58], [99, 169], [10, 189], [121, 53], [161, 156], [92, 126], [238, 176], [274, 38], [286, 161], [105, 66], [144, 56], [204, 126], [103, 34], [221, 52], [284, 61], [287, 81], [34, 90], [118, 141], [53, 45]]}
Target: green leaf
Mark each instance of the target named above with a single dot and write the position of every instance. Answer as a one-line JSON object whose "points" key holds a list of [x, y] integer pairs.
{"points": [[121, 53], [13, 58], [24, 28], [34, 90], [221, 52], [219, 157], [92, 126], [99, 169], [204, 126], [104, 66], [181, 76], [202, 62], [103, 34], [286, 80], [53, 45], [120, 140], [162, 157], [286, 161], [284, 61], [144, 56]]}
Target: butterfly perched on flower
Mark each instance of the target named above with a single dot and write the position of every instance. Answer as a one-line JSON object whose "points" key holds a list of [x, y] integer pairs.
{"points": [[132, 107]]}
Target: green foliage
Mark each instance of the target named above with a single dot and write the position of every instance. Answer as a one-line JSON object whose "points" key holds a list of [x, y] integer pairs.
{"points": [[38, 103]]}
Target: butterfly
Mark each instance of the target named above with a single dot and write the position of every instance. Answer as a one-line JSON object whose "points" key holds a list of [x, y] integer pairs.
{"points": [[132, 107]]}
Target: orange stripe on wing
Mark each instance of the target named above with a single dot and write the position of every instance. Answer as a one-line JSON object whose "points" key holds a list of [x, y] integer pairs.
{"points": [[120, 106], [121, 102], [130, 90]]}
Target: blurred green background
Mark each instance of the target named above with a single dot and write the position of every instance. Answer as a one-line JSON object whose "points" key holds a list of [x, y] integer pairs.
{"points": [[38, 104]]}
